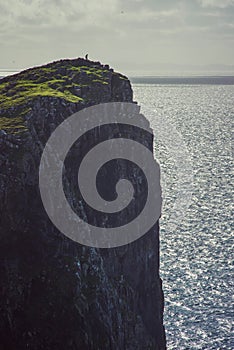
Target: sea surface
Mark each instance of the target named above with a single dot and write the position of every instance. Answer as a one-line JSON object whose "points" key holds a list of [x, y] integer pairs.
{"points": [[193, 144]]}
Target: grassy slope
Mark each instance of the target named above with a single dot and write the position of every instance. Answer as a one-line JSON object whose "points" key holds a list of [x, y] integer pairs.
{"points": [[60, 79]]}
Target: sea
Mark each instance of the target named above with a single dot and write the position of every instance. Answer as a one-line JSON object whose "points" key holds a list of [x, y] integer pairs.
{"points": [[192, 124]]}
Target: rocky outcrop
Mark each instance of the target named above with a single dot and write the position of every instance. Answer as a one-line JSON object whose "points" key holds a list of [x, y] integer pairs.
{"points": [[56, 293]]}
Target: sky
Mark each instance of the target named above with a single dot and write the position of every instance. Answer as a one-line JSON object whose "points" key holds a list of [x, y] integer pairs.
{"points": [[136, 37]]}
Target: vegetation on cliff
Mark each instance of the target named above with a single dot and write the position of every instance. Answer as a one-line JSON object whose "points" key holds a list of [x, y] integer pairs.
{"points": [[57, 294], [68, 80]]}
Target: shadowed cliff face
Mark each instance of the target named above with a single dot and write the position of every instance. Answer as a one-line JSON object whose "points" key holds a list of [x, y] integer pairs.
{"points": [[56, 293]]}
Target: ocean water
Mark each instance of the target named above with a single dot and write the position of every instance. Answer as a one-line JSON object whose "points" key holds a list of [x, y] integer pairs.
{"points": [[193, 144]]}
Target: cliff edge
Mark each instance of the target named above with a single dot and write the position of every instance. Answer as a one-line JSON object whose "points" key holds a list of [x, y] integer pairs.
{"points": [[56, 293]]}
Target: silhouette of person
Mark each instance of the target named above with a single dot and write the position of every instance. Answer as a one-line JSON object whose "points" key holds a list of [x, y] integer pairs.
{"points": [[86, 56]]}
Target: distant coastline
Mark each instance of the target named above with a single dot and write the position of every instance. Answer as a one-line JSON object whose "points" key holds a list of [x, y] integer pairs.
{"points": [[169, 79], [188, 80]]}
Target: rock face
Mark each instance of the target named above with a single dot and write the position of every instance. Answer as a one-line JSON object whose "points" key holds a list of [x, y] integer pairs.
{"points": [[56, 293]]}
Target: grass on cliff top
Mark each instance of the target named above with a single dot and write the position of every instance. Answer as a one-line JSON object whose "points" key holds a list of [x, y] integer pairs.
{"points": [[15, 93], [60, 79], [90, 70], [48, 81], [12, 125], [24, 90]]}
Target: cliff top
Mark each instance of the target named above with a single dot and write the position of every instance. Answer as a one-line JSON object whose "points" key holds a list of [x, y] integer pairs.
{"points": [[67, 79]]}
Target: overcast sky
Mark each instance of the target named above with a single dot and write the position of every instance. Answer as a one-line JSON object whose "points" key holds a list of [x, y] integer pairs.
{"points": [[134, 36]]}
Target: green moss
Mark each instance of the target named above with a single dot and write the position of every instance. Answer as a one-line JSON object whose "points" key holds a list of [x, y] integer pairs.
{"points": [[24, 90], [12, 125], [54, 80], [100, 81], [46, 81], [123, 78], [48, 69], [90, 71]]}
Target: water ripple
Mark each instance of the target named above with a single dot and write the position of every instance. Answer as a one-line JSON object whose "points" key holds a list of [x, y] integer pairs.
{"points": [[196, 257]]}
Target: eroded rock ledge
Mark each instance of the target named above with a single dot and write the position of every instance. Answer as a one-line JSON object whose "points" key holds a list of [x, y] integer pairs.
{"points": [[55, 293]]}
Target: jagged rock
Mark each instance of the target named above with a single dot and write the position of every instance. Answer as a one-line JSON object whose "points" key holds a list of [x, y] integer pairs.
{"points": [[56, 293]]}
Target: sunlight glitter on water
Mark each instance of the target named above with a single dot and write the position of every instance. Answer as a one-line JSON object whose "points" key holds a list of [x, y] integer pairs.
{"points": [[196, 256]]}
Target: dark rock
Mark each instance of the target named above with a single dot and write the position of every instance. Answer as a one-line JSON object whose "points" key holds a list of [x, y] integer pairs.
{"points": [[56, 293]]}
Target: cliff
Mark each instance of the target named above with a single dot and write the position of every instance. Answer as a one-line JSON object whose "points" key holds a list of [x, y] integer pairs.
{"points": [[56, 293]]}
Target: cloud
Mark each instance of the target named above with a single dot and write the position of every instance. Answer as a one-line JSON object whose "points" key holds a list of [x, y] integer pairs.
{"points": [[36, 31], [216, 3], [57, 12]]}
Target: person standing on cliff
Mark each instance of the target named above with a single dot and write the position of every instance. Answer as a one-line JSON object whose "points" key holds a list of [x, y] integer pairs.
{"points": [[86, 56]]}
